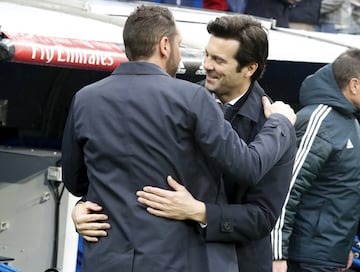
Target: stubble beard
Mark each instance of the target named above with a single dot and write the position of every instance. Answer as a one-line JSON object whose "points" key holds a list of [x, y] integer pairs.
{"points": [[171, 65]]}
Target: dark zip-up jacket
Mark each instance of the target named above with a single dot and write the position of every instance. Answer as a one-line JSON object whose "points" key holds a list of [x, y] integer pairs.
{"points": [[322, 213]]}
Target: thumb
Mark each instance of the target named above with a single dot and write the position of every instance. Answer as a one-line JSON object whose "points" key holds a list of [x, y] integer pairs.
{"points": [[266, 104], [265, 101], [174, 184], [93, 206]]}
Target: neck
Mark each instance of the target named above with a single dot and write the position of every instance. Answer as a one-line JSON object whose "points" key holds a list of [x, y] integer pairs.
{"points": [[155, 60], [229, 96]]}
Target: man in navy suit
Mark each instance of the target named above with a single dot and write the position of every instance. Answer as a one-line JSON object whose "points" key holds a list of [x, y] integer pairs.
{"points": [[235, 58], [140, 125]]}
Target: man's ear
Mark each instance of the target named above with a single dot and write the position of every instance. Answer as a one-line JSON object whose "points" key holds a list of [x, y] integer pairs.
{"points": [[354, 86], [251, 69], [165, 47]]}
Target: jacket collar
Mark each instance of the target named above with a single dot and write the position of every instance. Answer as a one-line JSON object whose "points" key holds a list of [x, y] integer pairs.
{"points": [[139, 68], [250, 108]]}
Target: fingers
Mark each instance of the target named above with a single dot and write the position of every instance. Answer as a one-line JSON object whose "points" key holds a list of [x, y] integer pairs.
{"points": [[156, 205], [157, 191], [82, 210], [280, 108], [265, 101], [157, 212], [151, 200], [266, 105], [93, 217], [90, 239], [91, 221], [171, 204], [174, 184], [92, 206], [92, 235], [92, 231], [88, 222], [92, 227]]}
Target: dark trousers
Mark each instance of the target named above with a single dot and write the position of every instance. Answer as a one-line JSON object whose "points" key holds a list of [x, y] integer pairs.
{"points": [[304, 267]]}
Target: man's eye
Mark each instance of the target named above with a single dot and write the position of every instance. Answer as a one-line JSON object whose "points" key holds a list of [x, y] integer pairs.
{"points": [[217, 60]]}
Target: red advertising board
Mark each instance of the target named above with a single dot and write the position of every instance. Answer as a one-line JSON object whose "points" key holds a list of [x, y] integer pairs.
{"points": [[66, 52]]}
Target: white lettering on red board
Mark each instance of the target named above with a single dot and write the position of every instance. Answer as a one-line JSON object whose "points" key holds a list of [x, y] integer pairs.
{"points": [[60, 54]]}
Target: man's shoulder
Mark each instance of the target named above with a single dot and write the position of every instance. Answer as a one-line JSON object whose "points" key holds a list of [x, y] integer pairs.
{"points": [[319, 110], [201, 83], [258, 90], [92, 88], [317, 119], [188, 83], [186, 87]]}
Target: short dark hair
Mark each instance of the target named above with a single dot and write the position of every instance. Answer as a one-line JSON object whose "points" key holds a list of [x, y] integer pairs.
{"points": [[346, 66], [254, 45], [144, 28]]}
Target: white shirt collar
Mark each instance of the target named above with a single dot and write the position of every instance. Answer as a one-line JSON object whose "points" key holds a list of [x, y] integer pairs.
{"points": [[231, 102]]}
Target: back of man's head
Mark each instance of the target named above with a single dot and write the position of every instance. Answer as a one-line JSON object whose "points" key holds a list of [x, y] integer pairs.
{"points": [[144, 28], [254, 45], [347, 66]]}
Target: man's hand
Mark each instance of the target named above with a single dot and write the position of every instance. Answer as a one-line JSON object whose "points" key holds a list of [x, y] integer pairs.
{"points": [[278, 107], [279, 266], [178, 204], [350, 259], [293, 1], [349, 262], [87, 223]]}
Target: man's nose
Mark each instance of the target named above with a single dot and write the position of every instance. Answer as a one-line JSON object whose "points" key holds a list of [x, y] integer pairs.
{"points": [[208, 64]]}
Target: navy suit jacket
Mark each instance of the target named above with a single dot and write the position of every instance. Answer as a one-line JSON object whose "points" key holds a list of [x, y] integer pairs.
{"points": [[253, 212], [133, 129]]}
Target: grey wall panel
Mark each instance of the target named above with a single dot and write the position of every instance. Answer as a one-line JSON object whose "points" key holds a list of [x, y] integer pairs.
{"points": [[27, 209]]}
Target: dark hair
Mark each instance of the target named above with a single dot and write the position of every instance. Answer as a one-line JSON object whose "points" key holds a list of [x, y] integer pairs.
{"points": [[346, 66], [144, 28], [254, 45]]}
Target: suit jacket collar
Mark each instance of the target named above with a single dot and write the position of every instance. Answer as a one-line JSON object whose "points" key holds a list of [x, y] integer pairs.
{"points": [[250, 108], [139, 68]]}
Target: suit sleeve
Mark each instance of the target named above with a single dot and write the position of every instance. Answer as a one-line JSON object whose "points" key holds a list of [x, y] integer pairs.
{"points": [[221, 144], [257, 215], [313, 151], [74, 169]]}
